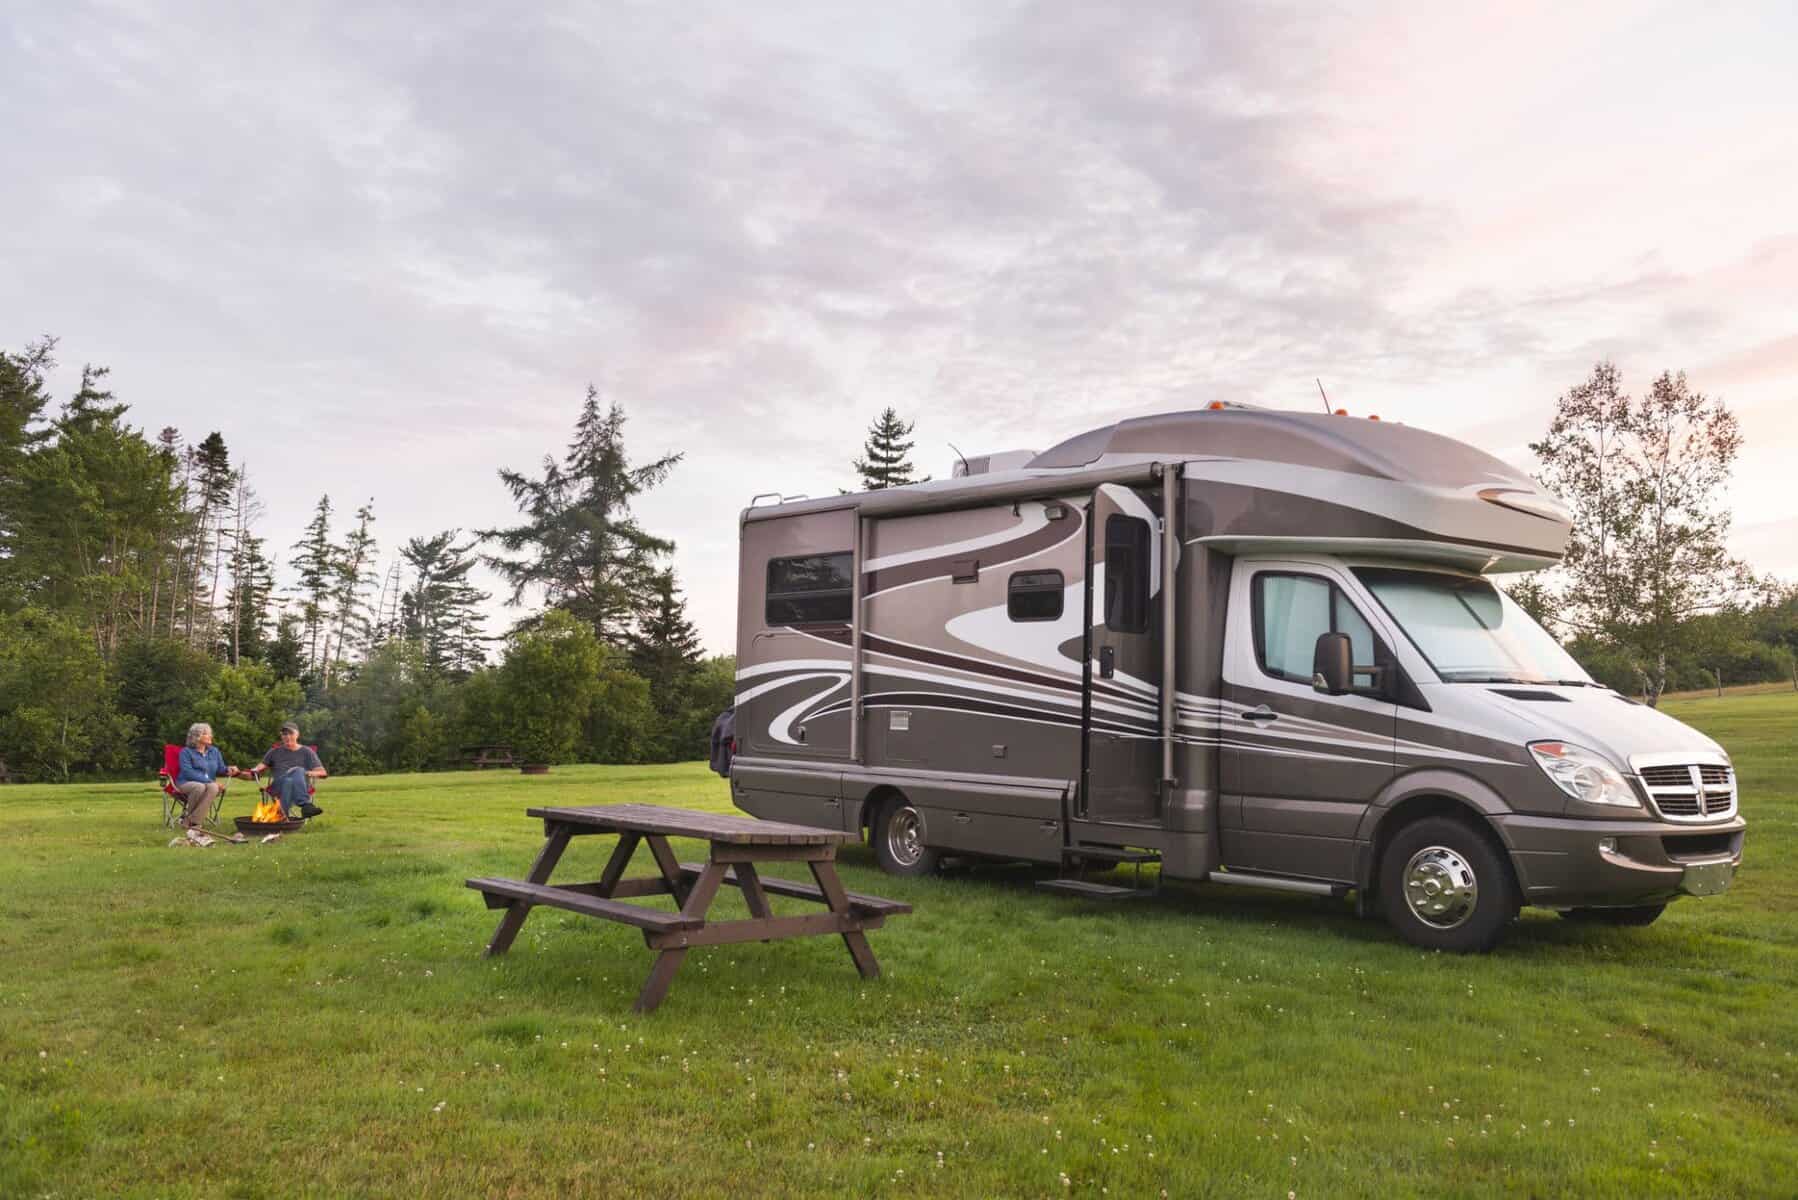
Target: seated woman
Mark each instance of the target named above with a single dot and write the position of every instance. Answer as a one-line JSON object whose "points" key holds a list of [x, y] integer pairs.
{"points": [[201, 765], [293, 765]]}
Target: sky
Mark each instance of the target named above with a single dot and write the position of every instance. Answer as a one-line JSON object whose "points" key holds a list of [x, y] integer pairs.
{"points": [[384, 249]]}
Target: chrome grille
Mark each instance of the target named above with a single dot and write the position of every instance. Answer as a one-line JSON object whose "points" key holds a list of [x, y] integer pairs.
{"points": [[1689, 791]]}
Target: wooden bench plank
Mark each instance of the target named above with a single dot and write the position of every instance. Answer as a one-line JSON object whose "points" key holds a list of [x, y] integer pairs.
{"points": [[592, 906], [808, 891]]}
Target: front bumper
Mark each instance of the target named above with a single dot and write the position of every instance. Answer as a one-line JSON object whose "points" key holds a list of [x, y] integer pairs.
{"points": [[1562, 863]]}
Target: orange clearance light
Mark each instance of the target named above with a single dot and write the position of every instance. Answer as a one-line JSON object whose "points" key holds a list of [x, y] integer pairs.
{"points": [[1373, 416], [1341, 412], [1215, 406]]}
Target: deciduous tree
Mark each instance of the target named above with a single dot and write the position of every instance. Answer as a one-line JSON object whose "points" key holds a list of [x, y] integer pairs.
{"points": [[1645, 479]]}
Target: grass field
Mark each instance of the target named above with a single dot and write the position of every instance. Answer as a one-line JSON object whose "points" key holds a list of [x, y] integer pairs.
{"points": [[314, 1017]]}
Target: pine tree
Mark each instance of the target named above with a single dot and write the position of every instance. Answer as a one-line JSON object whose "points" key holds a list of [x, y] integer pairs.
{"points": [[354, 565], [441, 610], [887, 449], [666, 646], [22, 403], [580, 544], [171, 539], [212, 487], [316, 564], [91, 504], [247, 604]]}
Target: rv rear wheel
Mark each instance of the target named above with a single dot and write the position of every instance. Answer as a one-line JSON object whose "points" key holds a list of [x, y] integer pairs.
{"points": [[898, 838], [1634, 915], [1445, 886]]}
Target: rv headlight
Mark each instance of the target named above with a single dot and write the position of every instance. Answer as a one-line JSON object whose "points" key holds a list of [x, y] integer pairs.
{"points": [[1584, 775]]}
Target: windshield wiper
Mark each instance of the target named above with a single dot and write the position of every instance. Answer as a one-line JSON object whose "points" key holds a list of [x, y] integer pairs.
{"points": [[1574, 683], [1486, 679]]}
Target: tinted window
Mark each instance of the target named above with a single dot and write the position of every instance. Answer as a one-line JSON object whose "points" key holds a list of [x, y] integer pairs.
{"points": [[1126, 574], [1034, 596], [810, 589], [1291, 611]]}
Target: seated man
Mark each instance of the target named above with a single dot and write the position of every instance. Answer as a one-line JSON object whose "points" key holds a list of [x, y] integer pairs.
{"points": [[292, 765], [201, 766]]}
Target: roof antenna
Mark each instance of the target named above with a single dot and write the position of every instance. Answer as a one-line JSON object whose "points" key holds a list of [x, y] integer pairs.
{"points": [[965, 468], [1324, 394]]}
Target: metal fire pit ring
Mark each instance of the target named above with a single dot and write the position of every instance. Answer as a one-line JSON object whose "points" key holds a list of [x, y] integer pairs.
{"points": [[246, 825]]}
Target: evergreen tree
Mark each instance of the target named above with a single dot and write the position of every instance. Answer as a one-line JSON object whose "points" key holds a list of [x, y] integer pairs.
{"points": [[171, 541], [441, 610], [286, 651], [350, 579], [579, 543], [665, 647], [316, 564], [665, 651], [248, 604], [888, 448], [22, 404], [92, 503], [213, 483]]}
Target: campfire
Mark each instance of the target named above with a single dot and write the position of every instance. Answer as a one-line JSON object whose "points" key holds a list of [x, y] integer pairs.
{"points": [[268, 812]]}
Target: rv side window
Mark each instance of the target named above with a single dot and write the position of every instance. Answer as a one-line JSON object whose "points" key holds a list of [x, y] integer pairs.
{"points": [[811, 589], [1290, 611], [1034, 596], [1127, 574]]}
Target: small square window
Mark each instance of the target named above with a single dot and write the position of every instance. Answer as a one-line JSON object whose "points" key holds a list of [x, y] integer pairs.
{"points": [[1035, 596]]}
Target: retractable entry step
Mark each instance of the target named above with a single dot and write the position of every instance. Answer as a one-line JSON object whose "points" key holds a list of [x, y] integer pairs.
{"points": [[1078, 859]]}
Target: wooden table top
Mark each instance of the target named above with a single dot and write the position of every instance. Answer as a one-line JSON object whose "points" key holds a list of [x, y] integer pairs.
{"points": [[686, 822]]}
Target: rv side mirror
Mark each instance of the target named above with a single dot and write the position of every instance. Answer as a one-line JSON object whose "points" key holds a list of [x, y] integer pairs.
{"points": [[1333, 664]]}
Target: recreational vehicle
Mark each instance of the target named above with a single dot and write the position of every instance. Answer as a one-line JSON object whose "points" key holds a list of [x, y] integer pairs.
{"points": [[1254, 647]]}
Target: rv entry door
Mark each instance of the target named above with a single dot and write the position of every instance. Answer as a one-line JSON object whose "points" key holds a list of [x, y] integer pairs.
{"points": [[1122, 762]]}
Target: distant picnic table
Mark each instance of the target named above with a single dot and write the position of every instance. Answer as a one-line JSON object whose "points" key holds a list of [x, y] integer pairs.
{"points": [[737, 844], [479, 757]]}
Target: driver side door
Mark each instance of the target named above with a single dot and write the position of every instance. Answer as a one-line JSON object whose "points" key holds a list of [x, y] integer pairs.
{"points": [[1299, 768]]}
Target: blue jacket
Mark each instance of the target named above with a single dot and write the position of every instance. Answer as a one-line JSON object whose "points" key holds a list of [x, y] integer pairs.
{"points": [[200, 768]]}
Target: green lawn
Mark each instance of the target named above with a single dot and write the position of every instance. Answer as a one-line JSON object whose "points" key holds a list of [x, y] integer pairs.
{"points": [[314, 1017]]}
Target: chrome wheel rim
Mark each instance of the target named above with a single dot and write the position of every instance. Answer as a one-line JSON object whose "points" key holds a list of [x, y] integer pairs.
{"points": [[1440, 888], [905, 844]]}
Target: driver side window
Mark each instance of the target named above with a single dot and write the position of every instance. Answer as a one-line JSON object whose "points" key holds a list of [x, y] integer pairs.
{"points": [[1290, 611]]}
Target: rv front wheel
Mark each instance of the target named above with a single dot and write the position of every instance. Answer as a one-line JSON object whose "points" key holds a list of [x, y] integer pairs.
{"points": [[1446, 887], [899, 840]]}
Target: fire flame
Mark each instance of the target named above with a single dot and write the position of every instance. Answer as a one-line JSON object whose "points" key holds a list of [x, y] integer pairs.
{"points": [[268, 811]]}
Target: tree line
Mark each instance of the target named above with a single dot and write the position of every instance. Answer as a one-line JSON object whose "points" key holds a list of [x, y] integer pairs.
{"points": [[136, 597]]}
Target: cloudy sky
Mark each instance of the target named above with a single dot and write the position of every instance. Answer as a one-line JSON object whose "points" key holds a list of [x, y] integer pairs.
{"points": [[383, 250]]}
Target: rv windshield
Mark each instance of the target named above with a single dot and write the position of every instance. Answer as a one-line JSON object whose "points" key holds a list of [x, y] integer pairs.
{"points": [[1469, 630]]}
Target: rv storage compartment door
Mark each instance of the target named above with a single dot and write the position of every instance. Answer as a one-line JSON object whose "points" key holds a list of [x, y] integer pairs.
{"points": [[1123, 670]]}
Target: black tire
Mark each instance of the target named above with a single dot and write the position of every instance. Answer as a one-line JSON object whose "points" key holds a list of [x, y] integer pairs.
{"points": [[896, 838], [1635, 916], [1444, 885]]}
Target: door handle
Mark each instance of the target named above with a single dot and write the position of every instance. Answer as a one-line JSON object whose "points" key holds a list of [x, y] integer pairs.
{"points": [[1108, 657], [1261, 713]]}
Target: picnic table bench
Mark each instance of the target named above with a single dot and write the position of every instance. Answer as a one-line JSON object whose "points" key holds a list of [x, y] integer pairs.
{"points": [[479, 757], [737, 844]]}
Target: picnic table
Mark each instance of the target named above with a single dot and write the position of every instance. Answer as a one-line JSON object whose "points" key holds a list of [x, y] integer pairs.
{"points": [[737, 844], [480, 757]]}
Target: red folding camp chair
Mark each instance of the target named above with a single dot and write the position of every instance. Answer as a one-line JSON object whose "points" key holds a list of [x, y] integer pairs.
{"points": [[268, 789], [174, 800]]}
